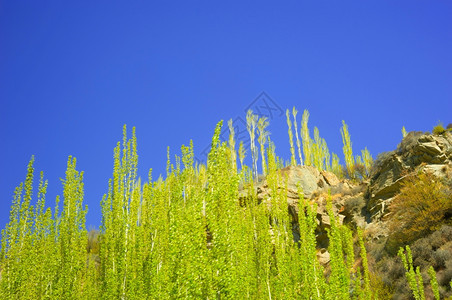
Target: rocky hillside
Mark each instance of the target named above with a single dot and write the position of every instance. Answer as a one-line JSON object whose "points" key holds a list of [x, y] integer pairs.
{"points": [[431, 153], [366, 203]]}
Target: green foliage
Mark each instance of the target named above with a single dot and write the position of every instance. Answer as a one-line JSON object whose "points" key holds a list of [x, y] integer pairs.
{"points": [[433, 282], [366, 277], [432, 250], [262, 124], [306, 139], [44, 256], [72, 239], [232, 145], [189, 235], [363, 164], [341, 256], [439, 129], [316, 152], [293, 160], [251, 123], [242, 154], [420, 208], [320, 153], [294, 113], [336, 167], [367, 160], [119, 221], [404, 133], [347, 149], [414, 277]]}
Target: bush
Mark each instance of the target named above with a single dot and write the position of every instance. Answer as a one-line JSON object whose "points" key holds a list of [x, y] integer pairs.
{"points": [[419, 209], [379, 287], [355, 204], [438, 129], [445, 276], [440, 257], [431, 250], [422, 251], [394, 269], [446, 232], [359, 171]]}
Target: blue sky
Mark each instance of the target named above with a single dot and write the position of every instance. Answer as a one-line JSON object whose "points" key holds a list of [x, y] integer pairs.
{"points": [[71, 74]]}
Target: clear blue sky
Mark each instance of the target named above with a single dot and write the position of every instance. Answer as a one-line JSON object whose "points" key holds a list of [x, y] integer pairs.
{"points": [[71, 74]]}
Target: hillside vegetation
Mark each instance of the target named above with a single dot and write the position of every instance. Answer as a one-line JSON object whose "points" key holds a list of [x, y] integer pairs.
{"points": [[210, 232]]}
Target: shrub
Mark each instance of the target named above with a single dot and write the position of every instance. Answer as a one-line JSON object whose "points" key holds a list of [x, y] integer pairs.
{"points": [[359, 171], [445, 276], [420, 208], [438, 129], [436, 239], [355, 204], [431, 250], [446, 232], [422, 250], [393, 268], [440, 257], [380, 289]]}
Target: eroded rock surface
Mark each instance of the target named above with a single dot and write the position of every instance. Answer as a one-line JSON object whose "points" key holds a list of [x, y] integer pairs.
{"points": [[417, 151]]}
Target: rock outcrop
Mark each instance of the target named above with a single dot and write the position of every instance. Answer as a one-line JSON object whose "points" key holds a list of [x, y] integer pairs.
{"points": [[432, 153], [361, 204]]}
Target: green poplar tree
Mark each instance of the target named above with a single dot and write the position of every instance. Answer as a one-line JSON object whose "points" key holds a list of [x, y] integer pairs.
{"points": [[294, 113], [347, 149], [306, 139], [413, 276], [72, 235], [232, 144], [262, 124], [251, 123], [367, 160], [118, 212], [293, 160]]}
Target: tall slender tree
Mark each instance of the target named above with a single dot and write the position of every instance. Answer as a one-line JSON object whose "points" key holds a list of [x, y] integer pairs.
{"points": [[262, 125], [306, 139], [251, 123], [347, 149], [293, 160], [232, 144], [295, 123]]}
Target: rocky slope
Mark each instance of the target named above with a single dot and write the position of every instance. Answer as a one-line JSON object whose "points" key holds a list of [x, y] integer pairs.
{"points": [[364, 204], [431, 153]]}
